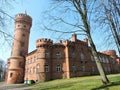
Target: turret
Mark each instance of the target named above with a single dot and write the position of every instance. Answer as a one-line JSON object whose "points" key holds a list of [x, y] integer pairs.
{"points": [[16, 63]]}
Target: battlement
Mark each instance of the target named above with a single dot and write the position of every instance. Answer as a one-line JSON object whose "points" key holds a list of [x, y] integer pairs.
{"points": [[44, 41], [23, 17]]}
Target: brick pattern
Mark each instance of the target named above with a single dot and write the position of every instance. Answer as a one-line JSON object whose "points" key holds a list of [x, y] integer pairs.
{"points": [[66, 59]]}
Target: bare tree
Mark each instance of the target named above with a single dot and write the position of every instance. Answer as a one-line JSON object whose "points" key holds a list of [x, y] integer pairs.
{"points": [[82, 24], [4, 19], [111, 16], [2, 70]]}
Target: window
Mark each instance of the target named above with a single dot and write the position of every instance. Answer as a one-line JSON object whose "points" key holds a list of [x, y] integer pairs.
{"points": [[46, 68], [58, 54], [21, 53], [30, 70], [35, 58], [18, 25], [34, 70], [21, 64], [73, 54], [83, 68], [38, 55], [37, 68], [58, 68], [30, 60], [24, 26], [22, 44], [82, 56], [73, 68], [11, 74], [23, 35], [93, 69], [92, 58], [47, 55], [26, 72]]}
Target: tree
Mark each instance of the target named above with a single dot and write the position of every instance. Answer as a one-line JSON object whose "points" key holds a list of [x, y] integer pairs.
{"points": [[111, 16], [83, 25], [4, 19], [2, 69]]}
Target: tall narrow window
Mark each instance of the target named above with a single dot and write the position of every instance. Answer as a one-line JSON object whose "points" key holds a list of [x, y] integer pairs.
{"points": [[46, 68], [37, 68], [83, 68], [47, 55], [58, 68], [82, 56], [58, 55], [11, 74], [22, 44], [73, 68], [73, 54], [92, 58]]}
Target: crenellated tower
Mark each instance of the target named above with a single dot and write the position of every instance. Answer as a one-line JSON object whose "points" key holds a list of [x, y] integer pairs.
{"points": [[16, 63]]}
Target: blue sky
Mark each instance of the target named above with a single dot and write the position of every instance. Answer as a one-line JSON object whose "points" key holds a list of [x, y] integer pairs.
{"points": [[35, 9]]}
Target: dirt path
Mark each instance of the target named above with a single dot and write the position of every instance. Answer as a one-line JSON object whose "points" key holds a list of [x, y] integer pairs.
{"points": [[4, 86]]}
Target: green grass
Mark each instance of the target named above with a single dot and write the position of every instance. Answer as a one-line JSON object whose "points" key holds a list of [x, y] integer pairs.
{"points": [[80, 83]]}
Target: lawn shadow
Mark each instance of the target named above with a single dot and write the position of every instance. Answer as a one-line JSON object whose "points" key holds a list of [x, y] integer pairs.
{"points": [[106, 86]]}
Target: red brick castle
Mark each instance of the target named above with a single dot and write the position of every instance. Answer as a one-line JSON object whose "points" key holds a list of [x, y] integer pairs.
{"points": [[49, 60]]}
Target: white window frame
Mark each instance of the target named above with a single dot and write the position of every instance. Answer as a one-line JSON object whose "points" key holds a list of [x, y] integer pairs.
{"points": [[58, 68]]}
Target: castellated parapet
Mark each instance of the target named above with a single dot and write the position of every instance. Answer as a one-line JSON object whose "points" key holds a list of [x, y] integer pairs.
{"points": [[23, 18], [43, 42]]}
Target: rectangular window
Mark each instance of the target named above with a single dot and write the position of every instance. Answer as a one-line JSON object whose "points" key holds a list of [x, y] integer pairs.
{"points": [[11, 75], [47, 55], [83, 68], [58, 68], [22, 44], [46, 68], [58, 55]]}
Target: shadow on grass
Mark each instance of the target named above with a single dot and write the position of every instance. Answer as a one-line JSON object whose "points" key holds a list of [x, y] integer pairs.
{"points": [[106, 86]]}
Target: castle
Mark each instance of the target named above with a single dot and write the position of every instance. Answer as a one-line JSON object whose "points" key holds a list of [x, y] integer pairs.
{"points": [[53, 60]]}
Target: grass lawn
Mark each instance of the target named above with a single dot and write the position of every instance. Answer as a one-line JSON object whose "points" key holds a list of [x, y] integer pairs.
{"points": [[80, 83]]}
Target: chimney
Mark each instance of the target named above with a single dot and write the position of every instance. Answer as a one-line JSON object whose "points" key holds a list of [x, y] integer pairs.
{"points": [[74, 37], [60, 41]]}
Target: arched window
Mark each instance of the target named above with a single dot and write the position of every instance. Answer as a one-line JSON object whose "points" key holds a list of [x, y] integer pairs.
{"points": [[58, 68]]}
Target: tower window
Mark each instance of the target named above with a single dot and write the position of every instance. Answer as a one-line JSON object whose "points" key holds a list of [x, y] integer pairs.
{"points": [[23, 35], [22, 44], [24, 26], [18, 25], [11, 74]]}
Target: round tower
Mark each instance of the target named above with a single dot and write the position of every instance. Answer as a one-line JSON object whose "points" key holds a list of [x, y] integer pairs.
{"points": [[44, 47], [16, 63]]}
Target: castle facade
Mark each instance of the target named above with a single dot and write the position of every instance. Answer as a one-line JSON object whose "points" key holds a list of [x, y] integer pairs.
{"points": [[65, 59]]}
